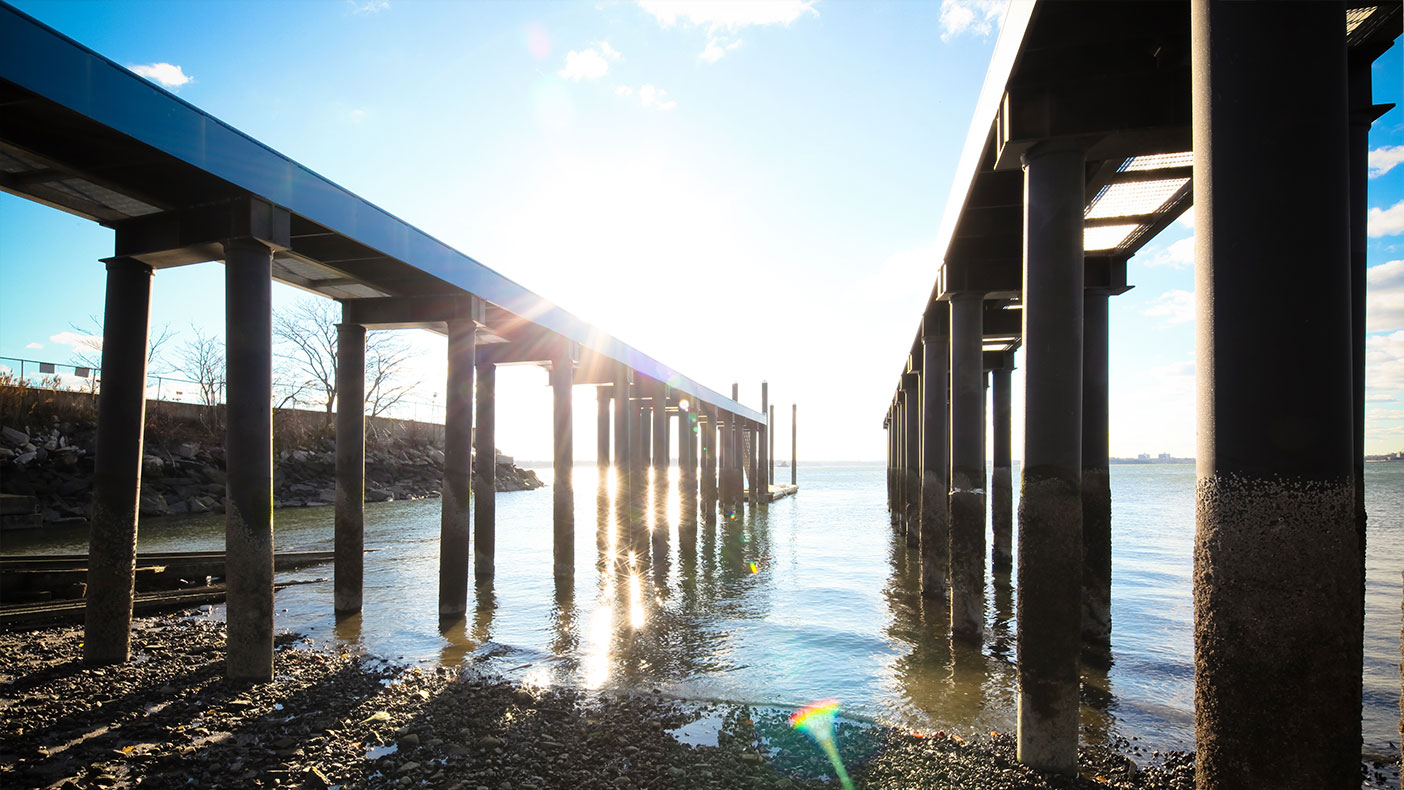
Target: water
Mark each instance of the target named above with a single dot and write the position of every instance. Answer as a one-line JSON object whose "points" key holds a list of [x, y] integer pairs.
{"points": [[831, 610]]}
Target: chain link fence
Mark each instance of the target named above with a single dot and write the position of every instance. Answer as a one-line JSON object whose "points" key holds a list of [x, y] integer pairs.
{"points": [[171, 389]]}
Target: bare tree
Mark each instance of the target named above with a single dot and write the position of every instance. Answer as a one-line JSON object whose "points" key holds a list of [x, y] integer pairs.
{"points": [[307, 338], [386, 357], [201, 360], [306, 335], [88, 352]]}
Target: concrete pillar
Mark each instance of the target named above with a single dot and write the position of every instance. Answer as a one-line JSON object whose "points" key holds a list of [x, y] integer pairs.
{"points": [[889, 427], [742, 460], [641, 456], [708, 436], [1096, 474], [485, 471], [1050, 506], [458, 441], [967, 515], [660, 459], [562, 484], [753, 443], [763, 448], [602, 433], [623, 450], [248, 458], [117, 471], [935, 483], [687, 466], [899, 481], [350, 524], [770, 455], [1002, 475], [1278, 555], [911, 519]]}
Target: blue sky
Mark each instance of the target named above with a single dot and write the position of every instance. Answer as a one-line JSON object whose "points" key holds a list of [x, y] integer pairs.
{"points": [[746, 191]]}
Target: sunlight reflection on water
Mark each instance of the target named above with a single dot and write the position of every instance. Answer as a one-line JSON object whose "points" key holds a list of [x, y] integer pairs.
{"points": [[811, 597]]}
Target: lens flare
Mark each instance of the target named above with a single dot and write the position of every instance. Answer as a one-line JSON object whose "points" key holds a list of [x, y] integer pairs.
{"points": [[817, 721]]}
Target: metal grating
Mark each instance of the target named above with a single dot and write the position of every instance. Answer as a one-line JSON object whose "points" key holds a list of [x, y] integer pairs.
{"points": [[1157, 162], [1355, 17], [1106, 237], [1135, 198]]}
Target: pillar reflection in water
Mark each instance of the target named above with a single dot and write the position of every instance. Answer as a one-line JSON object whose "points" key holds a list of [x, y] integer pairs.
{"points": [[950, 680]]}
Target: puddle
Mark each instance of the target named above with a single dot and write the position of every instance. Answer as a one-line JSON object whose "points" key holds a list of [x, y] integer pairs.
{"points": [[377, 752], [702, 732]]}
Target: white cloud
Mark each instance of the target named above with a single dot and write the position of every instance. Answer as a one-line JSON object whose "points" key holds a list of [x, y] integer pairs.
{"points": [[35, 346], [649, 96], [729, 14], [164, 74], [77, 340], [1386, 221], [368, 6], [1179, 255], [977, 17], [609, 52], [1175, 306], [586, 65], [717, 49], [1384, 307], [1384, 363], [1384, 158], [357, 115]]}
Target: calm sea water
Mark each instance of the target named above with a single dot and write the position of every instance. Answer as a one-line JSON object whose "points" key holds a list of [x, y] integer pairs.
{"points": [[813, 598]]}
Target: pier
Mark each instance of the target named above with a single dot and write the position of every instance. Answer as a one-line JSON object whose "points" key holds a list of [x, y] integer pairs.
{"points": [[1098, 125], [179, 187]]}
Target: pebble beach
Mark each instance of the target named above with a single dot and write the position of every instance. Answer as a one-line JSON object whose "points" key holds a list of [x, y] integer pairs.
{"points": [[337, 719]]}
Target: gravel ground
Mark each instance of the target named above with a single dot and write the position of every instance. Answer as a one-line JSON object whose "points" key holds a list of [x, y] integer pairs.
{"points": [[334, 719]]}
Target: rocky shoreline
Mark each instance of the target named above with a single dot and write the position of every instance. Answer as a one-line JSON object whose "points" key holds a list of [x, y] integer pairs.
{"points": [[333, 718], [48, 473]]}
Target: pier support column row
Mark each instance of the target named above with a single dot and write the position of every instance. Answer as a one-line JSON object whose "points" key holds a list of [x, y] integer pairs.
{"points": [[967, 501], [935, 477], [1050, 506], [117, 471], [350, 518], [1278, 554], [458, 441]]}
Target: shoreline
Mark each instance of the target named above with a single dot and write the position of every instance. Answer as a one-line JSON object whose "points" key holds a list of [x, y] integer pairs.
{"points": [[168, 716]]}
